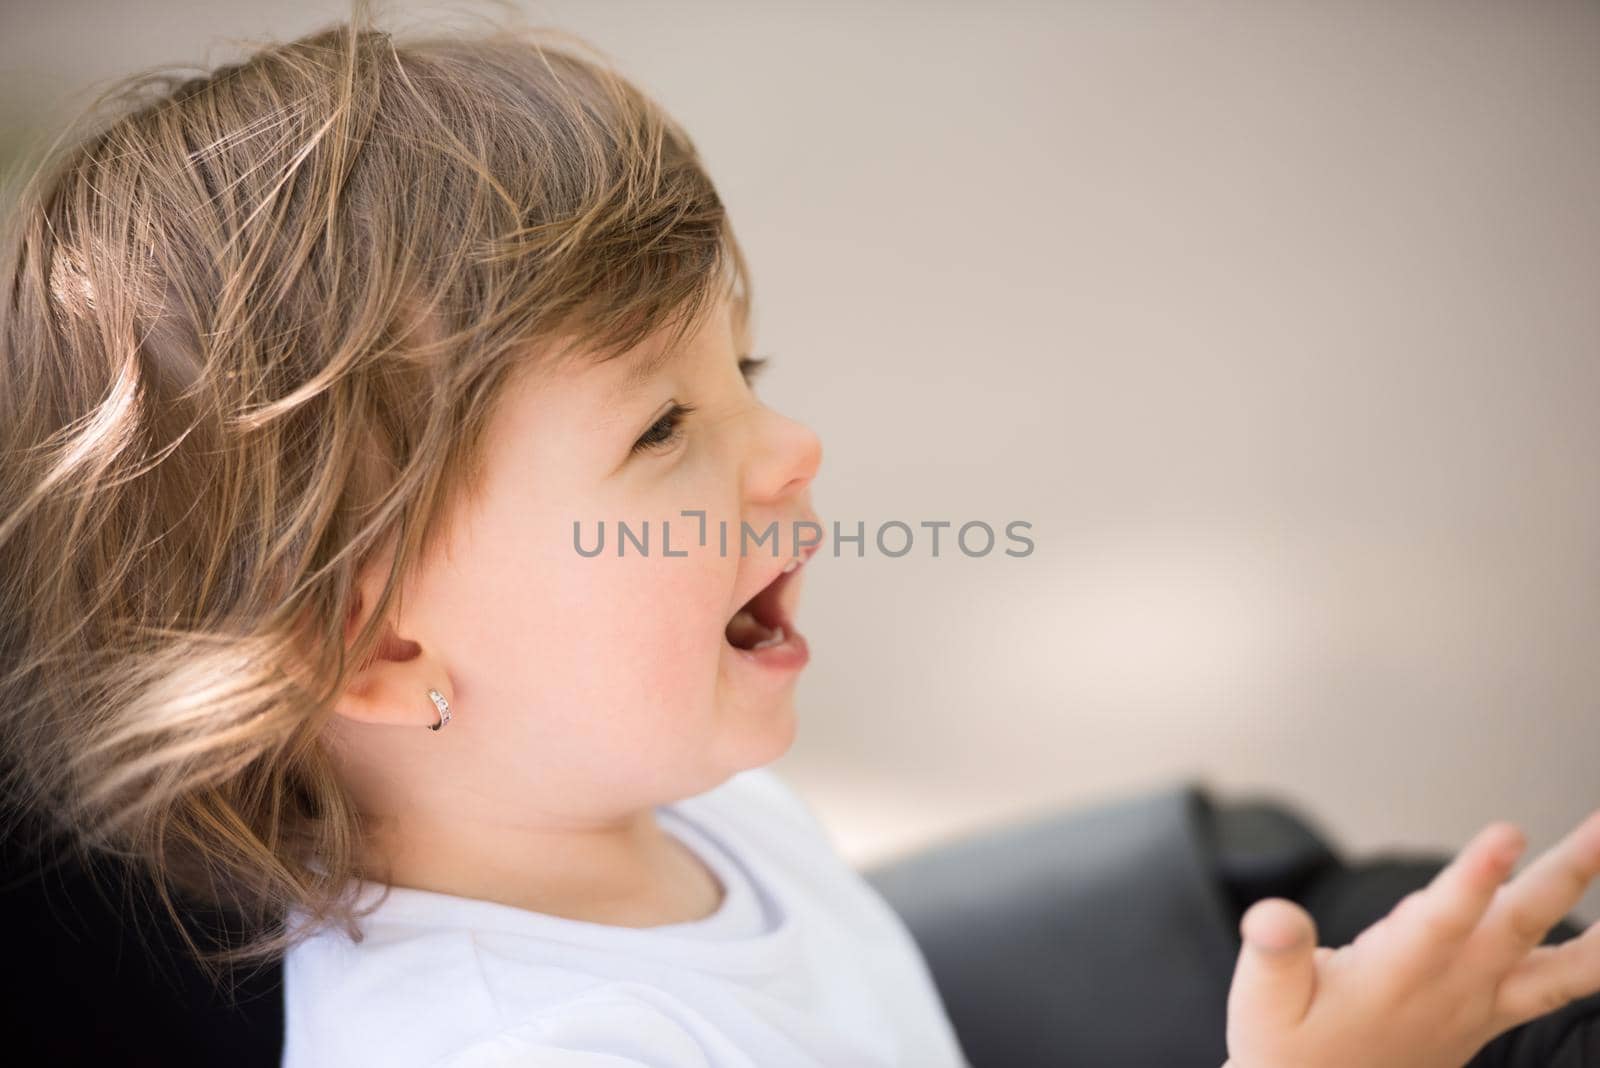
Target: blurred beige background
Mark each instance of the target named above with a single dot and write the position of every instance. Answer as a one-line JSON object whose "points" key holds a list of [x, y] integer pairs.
{"points": [[1280, 322]]}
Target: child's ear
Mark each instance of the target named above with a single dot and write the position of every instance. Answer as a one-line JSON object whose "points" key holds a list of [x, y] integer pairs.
{"points": [[391, 688]]}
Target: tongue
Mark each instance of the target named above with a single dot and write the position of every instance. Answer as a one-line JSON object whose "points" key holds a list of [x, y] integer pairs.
{"points": [[746, 632]]}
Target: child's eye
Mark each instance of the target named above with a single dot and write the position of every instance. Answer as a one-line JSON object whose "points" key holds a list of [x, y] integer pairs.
{"points": [[751, 366], [664, 431]]}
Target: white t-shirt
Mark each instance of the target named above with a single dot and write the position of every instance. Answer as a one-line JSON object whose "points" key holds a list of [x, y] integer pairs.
{"points": [[803, 964]]}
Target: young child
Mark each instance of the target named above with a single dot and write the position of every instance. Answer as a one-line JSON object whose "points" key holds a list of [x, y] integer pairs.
{"points": [[324, 371]]}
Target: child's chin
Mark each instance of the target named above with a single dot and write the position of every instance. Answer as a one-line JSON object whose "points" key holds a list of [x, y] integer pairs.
{"points": [[766, 730]]}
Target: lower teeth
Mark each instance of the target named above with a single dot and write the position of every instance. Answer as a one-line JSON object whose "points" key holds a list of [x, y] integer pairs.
{"points": [[777, 637]]}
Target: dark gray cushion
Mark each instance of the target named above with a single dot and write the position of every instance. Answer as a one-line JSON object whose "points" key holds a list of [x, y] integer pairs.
{"points": [[1106, 936]]}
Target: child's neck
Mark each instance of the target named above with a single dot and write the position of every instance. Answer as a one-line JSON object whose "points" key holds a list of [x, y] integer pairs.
{"points": [[632, 874]]}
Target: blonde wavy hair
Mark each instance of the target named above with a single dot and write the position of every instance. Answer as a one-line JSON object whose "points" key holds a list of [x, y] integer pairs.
{"points": [[255, 324]]}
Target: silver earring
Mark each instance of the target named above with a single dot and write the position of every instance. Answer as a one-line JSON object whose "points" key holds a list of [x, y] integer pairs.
{"points": [[444, 709]]}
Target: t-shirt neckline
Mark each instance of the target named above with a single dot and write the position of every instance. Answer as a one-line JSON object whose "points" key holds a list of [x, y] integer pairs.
{"points": [[740, 899], [692, 942]]}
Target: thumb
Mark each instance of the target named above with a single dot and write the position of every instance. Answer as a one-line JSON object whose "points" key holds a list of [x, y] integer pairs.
{"points": [[1276, 974]]}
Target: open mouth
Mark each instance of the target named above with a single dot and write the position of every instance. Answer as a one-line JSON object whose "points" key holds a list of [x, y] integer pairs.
{"points": [[762, 621]]}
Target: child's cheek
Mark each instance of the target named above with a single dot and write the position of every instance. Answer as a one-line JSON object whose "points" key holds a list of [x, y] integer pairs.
{"points": [[683, 608], [657, 620]]}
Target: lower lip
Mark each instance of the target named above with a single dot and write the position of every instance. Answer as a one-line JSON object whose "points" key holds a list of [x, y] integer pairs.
{"points": [[786, 657]]}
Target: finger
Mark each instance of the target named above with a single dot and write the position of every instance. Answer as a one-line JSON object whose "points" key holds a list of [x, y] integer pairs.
{"points": [[1524, 910], [1550, 977], [1438, 918], [1276, 973]]}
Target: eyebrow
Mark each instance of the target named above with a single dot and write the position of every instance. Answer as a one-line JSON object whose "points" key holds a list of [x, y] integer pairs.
{"points": [[642, 367]]}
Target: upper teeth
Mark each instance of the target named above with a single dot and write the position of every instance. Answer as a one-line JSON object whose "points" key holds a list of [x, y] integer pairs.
{"points": [[791, 565]]}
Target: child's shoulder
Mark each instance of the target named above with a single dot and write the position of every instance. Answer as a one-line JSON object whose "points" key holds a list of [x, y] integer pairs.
{"points": [[611, 1024]]}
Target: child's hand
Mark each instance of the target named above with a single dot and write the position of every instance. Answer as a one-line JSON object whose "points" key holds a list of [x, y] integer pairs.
{"points": [[1452, 966]]}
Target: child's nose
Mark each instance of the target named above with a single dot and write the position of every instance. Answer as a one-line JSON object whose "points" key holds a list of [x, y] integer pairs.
{"points": [[788, 454]]}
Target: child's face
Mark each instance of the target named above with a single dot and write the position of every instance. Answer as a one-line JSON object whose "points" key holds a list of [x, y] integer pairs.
{"points": [[611, 677]]}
